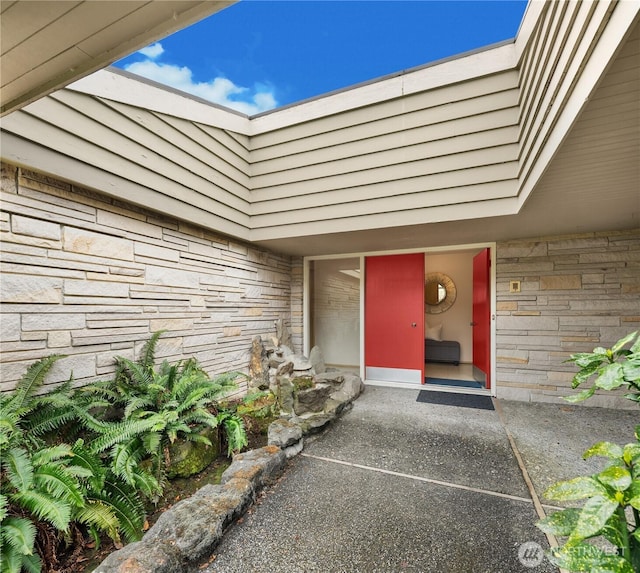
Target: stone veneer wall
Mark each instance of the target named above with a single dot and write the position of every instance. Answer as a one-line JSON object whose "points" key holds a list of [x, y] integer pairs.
{"points": [[91, 278], [577, 292]]}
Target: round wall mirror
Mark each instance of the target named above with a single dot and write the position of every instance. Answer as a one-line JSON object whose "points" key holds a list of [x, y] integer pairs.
{"points": [[439, 293]]}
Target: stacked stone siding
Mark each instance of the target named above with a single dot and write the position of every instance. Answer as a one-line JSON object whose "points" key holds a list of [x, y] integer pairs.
{"points": [[91, 278], [577, 292]]}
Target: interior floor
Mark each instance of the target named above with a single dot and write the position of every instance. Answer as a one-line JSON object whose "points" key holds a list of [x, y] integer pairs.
{"points": [[445, 372], [463, 371]]}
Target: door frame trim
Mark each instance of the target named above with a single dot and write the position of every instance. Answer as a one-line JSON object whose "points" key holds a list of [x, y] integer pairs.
{"points": [[306, 326]]}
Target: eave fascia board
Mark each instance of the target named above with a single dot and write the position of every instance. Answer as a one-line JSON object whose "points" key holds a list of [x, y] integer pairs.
{"points": [[427, 215], [134, 90], [459, 69], [534, 11]]}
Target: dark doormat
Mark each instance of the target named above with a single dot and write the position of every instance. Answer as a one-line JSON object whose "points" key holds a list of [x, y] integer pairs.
{"points": [[448, 382], [451, 399]]}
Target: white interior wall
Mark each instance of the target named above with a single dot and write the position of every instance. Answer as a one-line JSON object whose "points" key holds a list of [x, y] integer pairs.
{"points": [[456, 322]]}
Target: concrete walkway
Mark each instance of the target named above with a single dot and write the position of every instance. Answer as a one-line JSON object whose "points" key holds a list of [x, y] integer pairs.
{"points": [[398, 485]]}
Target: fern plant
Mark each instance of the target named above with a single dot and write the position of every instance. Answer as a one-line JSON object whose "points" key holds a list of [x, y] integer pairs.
{"points": [[125, 424], [17, 541], [157, 407], [16, 407], [234, 431], [53, 483], [22, 501]]}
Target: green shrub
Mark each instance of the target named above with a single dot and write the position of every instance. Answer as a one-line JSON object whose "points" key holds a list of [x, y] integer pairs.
{"points": [[612, 494], [612, 368]]}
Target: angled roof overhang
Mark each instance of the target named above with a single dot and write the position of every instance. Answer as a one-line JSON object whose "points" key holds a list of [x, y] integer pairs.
{"points": [[523, 139], [46, 45]]}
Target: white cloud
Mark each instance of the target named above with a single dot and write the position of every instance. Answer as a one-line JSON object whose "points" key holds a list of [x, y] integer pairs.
{"points": [[152, 51], [219, 90]]}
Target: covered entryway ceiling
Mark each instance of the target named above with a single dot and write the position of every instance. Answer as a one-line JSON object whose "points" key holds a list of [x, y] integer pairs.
{"points": [[47, 45]]}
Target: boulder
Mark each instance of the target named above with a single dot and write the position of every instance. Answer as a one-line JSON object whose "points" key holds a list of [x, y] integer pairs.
{"points": [[283, 390], [311, 423], [334, 378], [188, 532], [262, 466], [350, 389], [194, 525], [258, 365], [284, 433], [285, 368], [312, 399], [141, 557], [300, 363], [189, 458], [317, 360], [283, 335]]}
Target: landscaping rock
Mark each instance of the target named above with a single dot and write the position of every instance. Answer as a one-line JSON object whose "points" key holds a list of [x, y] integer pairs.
{"points": [[188, 532], [336, 408], [335, 378], [312, 399], [275, 360], [283, 433], [287, 435], [190, 458], [262, 466], [317, 360], [239, 494], [285, 350], [283, 389], [352, 386], [258, 365], [282, 333], [300, 363], [312, 422], [285, 368], [270, 345], [141, 557], [194, 525], [293, 450]]}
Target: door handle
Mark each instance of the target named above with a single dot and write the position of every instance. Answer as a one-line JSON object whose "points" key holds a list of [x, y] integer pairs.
{"points": [[413, 325], [473, 324]]}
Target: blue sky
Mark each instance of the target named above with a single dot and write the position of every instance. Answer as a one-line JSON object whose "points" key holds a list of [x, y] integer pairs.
{"points": [[257, 55]]}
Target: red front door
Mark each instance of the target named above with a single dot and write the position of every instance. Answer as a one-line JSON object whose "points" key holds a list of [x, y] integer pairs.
{"points": [[481, 317], [394, 318]]}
